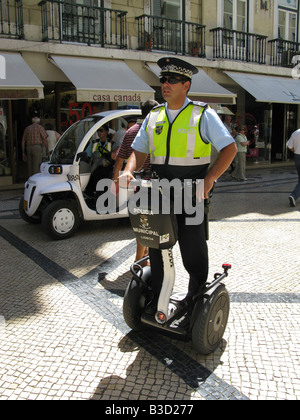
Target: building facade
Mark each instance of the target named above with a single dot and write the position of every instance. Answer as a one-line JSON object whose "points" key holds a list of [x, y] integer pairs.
{"points": [[64, 60]]}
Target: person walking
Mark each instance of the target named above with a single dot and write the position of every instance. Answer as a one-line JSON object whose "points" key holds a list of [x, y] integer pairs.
{"points": [[53, 136], [294, 145], [34, 137], [240, 160], [178, 135]]}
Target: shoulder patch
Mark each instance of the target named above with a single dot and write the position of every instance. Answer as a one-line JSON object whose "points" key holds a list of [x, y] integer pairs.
{"points": [[198, 103]]}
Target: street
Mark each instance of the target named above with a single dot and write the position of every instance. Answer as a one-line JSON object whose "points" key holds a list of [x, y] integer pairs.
{"points": [[62, 333]]}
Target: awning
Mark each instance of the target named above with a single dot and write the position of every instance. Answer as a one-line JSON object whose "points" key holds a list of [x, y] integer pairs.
{"points": [[204, 88], [270, 89], [103, 80], [17, 80], [221, 110]]}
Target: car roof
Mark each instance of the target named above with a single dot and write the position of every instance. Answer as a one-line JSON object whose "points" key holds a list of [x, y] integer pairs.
{"points": [[121, 112]]}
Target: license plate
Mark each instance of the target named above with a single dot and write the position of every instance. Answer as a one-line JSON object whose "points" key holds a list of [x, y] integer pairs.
{"points": [[25, 205]]}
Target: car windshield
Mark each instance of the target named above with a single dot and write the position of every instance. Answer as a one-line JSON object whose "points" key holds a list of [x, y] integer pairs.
{"points": [[65, 150]]}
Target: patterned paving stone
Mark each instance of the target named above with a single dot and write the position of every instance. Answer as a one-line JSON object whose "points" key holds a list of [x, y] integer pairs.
{"points": [[61, 326]]}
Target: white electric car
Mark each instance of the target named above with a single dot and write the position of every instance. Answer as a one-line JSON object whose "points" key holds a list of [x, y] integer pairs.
{"points": [[56, 196]]}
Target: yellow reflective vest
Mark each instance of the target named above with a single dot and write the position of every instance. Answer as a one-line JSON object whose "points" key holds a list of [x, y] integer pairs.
{"points": [[104, 149], [179, 143]]}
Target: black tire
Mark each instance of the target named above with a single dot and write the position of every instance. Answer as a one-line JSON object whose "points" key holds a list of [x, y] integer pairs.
{"points": [[211, 315], [60, 219], [133, 305], [33, 220]]}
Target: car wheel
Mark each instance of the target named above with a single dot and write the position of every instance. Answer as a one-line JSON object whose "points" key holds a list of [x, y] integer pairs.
{"points": [[61, 219]]}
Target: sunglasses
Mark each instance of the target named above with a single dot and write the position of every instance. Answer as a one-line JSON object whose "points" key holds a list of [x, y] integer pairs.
{"points": [[172, 80], [101, 130]]}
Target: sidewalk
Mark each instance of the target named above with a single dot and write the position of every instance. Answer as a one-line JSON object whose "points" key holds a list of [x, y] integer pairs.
{"points": [[250, 165], [62, 330]]}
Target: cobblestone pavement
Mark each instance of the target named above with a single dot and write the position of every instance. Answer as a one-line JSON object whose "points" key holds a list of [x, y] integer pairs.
{"points": [[61, 326]]}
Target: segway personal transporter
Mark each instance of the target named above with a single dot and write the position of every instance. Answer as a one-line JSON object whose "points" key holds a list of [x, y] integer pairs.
{"points": [[206, 325]]}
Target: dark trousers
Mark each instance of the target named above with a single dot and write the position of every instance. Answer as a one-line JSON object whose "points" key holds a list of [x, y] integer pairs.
{"points": [[296, 192], [194, 252]]}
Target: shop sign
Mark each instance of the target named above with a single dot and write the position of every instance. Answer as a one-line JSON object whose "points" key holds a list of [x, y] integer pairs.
{"points": [[111, 96], [19, 94], [117, 98]]}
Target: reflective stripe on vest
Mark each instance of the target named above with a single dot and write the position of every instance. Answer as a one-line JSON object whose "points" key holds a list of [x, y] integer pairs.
{"points": [[179, 143]]}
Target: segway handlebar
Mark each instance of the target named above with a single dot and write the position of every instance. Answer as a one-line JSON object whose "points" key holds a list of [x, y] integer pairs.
{"points": [[217, 279]]}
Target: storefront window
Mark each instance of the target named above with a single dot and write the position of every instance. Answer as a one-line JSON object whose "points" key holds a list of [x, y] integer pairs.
{"points": [[258, 120], [72, 111]]}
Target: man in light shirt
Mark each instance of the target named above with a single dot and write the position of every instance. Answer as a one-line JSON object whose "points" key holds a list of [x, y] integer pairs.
{"points": [[178, 135], [294, 145]]}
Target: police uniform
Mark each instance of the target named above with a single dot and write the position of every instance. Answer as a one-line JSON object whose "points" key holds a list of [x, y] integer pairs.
{"points": [[180, 148]]}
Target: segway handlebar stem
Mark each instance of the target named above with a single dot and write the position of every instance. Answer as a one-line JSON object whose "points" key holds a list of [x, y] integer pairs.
{"points": [[137, 271], [217, 279]]}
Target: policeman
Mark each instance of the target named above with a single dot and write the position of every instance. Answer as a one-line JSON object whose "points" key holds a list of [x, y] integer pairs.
{"points": [[178, 135]]}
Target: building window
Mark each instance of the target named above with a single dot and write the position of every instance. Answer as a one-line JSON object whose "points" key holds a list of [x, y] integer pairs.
{"points": [[288, 20], [167, 29], [80, 20], [235, 15], [170, 9]]}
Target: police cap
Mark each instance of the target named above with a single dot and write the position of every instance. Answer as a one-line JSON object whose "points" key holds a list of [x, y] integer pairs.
{"points": [[177, 66]]}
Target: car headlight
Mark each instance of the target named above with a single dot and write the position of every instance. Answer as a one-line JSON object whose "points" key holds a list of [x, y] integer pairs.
{"points": [[55, 170]]}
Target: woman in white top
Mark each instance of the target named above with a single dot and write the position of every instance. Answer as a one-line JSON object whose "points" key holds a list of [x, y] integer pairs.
{"points": [[53, 136], [294, 146]]}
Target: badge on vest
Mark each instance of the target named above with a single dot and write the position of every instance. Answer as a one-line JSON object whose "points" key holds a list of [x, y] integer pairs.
{"points": [[159, 128]]}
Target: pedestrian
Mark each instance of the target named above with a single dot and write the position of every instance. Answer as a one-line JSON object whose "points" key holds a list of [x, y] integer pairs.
{"points": [[34, 137], [240, 160], [124, 153], [228, 124], [294, 145], [119, 137], [53, 136], [178, 134], [233, 133]]}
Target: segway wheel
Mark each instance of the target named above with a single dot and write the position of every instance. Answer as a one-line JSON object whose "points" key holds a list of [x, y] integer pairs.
{"points": [[211, 316], [133, 304]]}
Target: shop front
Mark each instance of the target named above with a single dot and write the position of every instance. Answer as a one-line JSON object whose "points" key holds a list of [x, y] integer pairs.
{"points": [[99, 85], [71, 89], [18, 84], [271, 113]]}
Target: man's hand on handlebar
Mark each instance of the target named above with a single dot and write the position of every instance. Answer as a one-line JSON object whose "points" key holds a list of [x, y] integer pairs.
{"points": [[122, 182]]}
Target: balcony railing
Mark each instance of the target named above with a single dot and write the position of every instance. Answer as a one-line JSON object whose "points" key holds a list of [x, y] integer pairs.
{"points": [[65, 21], [282, 52], [162, 34], [237, 45], [11, 19]]}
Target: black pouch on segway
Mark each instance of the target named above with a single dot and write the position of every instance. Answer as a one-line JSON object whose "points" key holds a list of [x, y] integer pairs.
{"points": [[153, 227]]}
